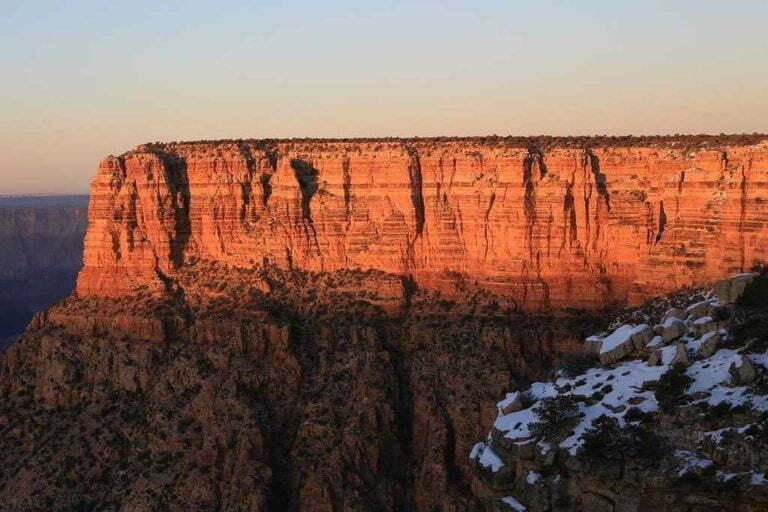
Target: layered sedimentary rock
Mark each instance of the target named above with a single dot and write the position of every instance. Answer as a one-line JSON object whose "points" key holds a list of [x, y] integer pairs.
{"points": [[546, 227]]}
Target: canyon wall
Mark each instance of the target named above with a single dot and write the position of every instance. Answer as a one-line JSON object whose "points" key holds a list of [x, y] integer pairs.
{"points": [[546, 227], [41, 246]]}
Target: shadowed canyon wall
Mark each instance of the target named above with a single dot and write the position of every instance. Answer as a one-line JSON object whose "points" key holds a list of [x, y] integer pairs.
{"points": [[545, 226], [41, 246]]}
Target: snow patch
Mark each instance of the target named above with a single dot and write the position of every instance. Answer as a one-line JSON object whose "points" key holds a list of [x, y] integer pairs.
{"points": [[512, 502], [690, 461], [532, 477]]}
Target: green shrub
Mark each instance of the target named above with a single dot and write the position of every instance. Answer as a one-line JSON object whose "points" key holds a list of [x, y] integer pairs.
{"points": [[670, 389], [557, 417], [636, 414], [755, 294], [607, 440]]}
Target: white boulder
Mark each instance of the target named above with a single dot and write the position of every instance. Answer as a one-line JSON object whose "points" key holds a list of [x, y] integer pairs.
{"points": [[742, 372], [616, 345], [671, 329], [703, 325]]}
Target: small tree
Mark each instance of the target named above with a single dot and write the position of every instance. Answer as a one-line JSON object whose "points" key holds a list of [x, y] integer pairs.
{"points": [[557, 417], [670, 390], [607, 440]]}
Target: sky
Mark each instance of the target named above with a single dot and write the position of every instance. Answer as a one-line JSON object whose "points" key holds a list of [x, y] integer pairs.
{"points": [[84, 79]]}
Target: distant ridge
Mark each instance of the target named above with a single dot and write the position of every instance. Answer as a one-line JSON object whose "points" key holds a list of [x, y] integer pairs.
{"points": [[42, 201]]}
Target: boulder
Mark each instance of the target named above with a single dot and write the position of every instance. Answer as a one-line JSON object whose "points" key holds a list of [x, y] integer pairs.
{"points": [[671, 329], [616, 345], [729, 290], [672, 354], [742, 372], [681, 355], [708, 343], [674, 313], [655, 344], [699, 309], [641, 335], [704, 325], [593, 343]]}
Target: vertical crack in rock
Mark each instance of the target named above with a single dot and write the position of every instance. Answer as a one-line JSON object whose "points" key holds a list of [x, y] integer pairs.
{"points": [[266, 178], [115, 236], [439, 180], [417, 194], [453, 472], [602, 190], [679, 194], [569, 215], [404, 411], [347, 186], [662, 221], [587, 198], [534, 156], [742, 213], [245, 186], [453, 174], [266, 188], [176, 177], [306, 177], [491, 201], [602, 187], [417, 198]]}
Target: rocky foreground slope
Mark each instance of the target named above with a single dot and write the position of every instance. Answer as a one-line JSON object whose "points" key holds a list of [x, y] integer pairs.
{"points": [[264, 390], [669, 417], [545, 222]]}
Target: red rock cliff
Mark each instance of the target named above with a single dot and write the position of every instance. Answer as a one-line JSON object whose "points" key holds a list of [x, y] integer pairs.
{"points": [[553, 227]]}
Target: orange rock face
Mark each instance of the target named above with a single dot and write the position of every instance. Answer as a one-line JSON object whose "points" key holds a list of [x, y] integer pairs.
{"points": [[547, 228]]}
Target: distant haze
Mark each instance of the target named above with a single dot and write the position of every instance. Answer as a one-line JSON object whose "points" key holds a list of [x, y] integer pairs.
{"points": [[85, 79]]}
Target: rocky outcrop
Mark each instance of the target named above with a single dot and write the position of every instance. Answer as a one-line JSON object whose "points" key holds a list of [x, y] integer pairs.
{"points": [[263, 389], [680, 428], [545, 227]]}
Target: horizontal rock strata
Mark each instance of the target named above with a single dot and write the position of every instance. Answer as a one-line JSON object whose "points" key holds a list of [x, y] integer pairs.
{"points": [[548, 228]]}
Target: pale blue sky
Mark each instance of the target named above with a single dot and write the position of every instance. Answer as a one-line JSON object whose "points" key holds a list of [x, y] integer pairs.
{"points": [[82, 79]]}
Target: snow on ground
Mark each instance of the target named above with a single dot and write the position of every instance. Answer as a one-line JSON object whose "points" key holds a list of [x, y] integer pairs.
{"points": [[532, 477], [486, 457], [711, 377], [717, 435], [755, 478], [690, 461], [621, 388], [512, 502], [614, 390], [759, 359]]}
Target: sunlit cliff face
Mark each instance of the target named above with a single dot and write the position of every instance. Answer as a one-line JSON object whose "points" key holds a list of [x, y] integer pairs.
{"points": [[548, 227]]}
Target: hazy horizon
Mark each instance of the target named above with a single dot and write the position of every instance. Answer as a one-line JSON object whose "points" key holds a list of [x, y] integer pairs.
{"points": [[85, 81]]}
